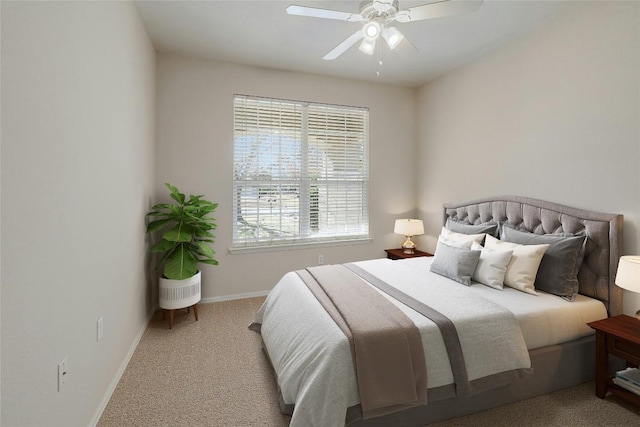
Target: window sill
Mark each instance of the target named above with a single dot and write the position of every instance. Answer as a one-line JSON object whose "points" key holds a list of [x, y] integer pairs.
{"points": [[301, 245]]}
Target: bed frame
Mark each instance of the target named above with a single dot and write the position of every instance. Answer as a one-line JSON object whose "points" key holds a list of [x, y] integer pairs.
{"points": [[555, 367]]}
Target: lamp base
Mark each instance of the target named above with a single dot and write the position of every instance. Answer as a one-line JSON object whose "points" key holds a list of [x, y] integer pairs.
{"points": [[409, 247]]}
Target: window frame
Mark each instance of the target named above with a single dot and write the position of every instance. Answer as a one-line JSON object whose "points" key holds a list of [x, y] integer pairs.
{"points": [[304, 205]]}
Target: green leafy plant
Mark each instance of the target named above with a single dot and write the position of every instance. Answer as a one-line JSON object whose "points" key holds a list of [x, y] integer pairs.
{"points": [[186, 236]]}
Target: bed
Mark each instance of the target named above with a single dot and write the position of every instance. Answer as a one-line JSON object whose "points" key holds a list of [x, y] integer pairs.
{"points": [[312, 357]]}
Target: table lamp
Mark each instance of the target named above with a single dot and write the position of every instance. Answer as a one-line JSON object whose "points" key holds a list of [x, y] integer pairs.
{"points": [[628, 275], [409, 228]]}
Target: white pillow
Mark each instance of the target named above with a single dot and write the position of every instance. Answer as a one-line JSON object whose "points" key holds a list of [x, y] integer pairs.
{"points": [[462, 244], [524, 263], [492, 266], [455, 239]]}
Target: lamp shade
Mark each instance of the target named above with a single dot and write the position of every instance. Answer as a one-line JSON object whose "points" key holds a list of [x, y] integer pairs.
{"points": [[409, 227], [628, 275], [392, 36], [368, 46]]}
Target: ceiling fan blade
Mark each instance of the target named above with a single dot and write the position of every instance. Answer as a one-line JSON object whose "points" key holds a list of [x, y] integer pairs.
{"points": [[342, 47], [323, 13], [442, 8]]}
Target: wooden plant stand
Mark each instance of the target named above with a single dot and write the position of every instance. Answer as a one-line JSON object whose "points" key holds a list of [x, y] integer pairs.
{"points": [[172, 311]]}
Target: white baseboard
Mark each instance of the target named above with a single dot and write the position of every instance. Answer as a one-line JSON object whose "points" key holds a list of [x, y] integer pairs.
{"points": [[136, 341], [236, 296], [123, 366]]}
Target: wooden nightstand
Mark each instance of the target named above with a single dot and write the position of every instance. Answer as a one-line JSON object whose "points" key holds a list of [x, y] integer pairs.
{"points": [[620, 336], [399, 254]]}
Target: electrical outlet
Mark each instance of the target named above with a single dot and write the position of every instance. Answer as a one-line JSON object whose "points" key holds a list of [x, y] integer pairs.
{"points": [[63, 372], [99, 328], [320, 259]]}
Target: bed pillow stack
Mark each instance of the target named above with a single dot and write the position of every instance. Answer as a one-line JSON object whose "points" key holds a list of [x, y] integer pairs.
{"points": [[521, 260], [498, 263], [491, 264]]}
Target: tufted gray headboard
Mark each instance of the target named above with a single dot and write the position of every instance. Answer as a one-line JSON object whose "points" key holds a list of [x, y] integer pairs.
{"points": [[604, 236]]}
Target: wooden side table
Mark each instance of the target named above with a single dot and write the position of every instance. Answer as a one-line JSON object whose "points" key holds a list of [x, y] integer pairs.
{"points": [[619, 336], [399, 254]]}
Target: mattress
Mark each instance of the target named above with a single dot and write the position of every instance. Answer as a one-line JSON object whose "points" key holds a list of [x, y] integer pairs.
{"points": [[544, 319]]}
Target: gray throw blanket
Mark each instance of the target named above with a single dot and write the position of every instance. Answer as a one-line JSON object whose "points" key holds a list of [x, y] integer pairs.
{"points": [[386, 345]]}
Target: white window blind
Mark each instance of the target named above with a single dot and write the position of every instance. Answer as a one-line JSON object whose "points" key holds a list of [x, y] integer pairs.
{"points": [[300, 172]]}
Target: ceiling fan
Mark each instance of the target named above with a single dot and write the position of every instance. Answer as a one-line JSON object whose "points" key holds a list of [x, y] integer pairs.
{"points": [[377, 15]]}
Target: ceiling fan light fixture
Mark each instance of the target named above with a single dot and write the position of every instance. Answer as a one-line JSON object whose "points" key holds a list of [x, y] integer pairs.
{"points": [[376, 15], [371, 30], [392, 36], [368, 46]]}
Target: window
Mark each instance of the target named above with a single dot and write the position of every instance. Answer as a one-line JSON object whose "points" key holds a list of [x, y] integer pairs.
{"points": [[300, 172]]}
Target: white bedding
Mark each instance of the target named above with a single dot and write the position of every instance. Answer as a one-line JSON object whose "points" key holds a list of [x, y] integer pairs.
{"points": [[317, 375], [544, 319]]}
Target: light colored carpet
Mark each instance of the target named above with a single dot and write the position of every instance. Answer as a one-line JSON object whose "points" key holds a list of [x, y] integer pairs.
{"points": [[213, 373], [206, 373]]}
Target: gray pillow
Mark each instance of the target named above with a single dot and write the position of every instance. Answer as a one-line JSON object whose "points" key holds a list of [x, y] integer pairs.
{"points": [[558, 271], [455, 263], [461, 227]]}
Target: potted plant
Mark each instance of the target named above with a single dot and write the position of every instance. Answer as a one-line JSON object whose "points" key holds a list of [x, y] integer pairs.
{"points": [[185, 238]]}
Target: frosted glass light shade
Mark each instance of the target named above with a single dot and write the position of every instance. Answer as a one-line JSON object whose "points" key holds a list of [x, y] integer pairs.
{"points": [[368, 46], [392, 36], [371, 30]]}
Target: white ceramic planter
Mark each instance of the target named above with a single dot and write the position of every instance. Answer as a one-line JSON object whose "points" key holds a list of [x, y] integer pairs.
{"points": [[176, 294]]}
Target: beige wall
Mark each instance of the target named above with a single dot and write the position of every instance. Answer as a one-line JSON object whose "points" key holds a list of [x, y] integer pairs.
{"points": [[195, 153], [78, 167], [555, 115], [0, 222], [79, 161]]}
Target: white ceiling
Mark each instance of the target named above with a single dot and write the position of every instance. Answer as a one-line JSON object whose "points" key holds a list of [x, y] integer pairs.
{"points": [[261, 33]]}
